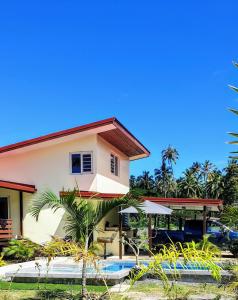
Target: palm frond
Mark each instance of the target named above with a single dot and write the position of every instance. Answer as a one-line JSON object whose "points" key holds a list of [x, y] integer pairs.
{"points": [[233, 142], [234, 88], [235, 64], [233, 134], [104, 207], [46, 198]]}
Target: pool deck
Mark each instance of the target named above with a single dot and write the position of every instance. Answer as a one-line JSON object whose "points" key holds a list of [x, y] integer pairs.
{"points": [[29, 272]]}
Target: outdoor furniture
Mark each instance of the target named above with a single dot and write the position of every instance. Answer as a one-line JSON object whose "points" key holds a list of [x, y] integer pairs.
{"points": [[6, 232], [105, 241]]}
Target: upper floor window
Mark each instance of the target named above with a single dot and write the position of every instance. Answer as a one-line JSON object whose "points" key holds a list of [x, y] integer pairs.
{"points": [[81, 162], [114, 164]]}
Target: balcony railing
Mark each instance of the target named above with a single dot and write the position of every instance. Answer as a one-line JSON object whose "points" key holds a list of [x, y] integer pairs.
{"points": [[6, 232]]}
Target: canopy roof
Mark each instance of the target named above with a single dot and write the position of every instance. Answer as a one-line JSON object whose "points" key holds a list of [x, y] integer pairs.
{"points": [[17, 186], [149, 208]]}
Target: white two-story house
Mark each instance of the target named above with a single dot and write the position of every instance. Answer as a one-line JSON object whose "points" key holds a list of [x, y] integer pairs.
{"points": [[95, 157]]}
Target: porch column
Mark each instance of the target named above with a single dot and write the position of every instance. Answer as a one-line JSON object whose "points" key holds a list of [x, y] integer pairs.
{"points": [[150, 234], [120, 235], [204, 225], [21, 212]]}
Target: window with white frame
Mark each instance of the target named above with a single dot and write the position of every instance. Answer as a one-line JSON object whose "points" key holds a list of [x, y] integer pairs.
{"points": [[114, 164], [81, 163]]}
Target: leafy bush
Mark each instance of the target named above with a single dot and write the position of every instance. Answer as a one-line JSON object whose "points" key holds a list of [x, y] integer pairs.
{"points": [[233, 247], [22, 250], [2, 263]]}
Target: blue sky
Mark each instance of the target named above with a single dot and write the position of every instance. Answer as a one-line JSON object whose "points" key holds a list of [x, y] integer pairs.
{"points": [[161, 67]]}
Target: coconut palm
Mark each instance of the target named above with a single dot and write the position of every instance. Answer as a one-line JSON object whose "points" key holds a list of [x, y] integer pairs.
{"points": [[82, 216], [235, 111], [189, 186], [207, 168], [170, 155], [215, 184], [164, 180], [196, 169], [146, 181]]}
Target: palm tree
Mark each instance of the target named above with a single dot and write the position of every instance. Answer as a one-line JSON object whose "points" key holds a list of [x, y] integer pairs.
{"points": [[170, 155], [146, 181], [189, 186], [196, 169], [215, 184], [207, 168], [82, 216], [164, 180], [235, 111]]}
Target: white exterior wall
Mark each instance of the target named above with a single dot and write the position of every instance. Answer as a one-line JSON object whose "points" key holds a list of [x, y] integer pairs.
{"points": [[106, 181], [49, 167]]}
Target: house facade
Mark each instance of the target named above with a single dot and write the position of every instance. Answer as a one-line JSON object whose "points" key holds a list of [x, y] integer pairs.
{"points": [[94, 157]]}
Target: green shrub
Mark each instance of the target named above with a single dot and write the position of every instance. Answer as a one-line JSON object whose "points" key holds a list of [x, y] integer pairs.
{"points": [[233, 247], [21, 250], [2, 262]]}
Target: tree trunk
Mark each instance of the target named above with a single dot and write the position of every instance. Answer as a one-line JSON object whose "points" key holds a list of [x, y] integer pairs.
{"points": [[84, 277], [84, 280]]}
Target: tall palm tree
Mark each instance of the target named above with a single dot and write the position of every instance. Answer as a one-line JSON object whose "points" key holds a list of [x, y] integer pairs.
{"points": [[170, 155], [82, 216], [146, 181], [207, 168], [189, 186], [196, 169], [235, 111], [164, 180], [215, 184]]}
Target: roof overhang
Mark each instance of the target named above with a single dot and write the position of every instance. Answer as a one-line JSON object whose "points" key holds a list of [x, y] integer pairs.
{"points": [[22, 187], [174, 203], [188, 203], [110, 130]]}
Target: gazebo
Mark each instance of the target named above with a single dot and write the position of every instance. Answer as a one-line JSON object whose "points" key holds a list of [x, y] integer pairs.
{"points": [[148, 208]]}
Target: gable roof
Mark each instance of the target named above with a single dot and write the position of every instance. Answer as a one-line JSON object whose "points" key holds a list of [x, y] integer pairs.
{"points": [[110, 130]]}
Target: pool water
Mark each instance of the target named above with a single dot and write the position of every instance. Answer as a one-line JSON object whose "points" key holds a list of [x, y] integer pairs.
{"points": [[106, 267], [118, 266]]}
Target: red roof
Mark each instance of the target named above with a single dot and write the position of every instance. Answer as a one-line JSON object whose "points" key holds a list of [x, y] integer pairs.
{"points": [[185, 201], [18, 186], [118, 136], [159, 200]]}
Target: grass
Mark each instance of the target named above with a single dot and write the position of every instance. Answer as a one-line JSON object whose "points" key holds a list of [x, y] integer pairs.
{"points": [[49, 286], [27, 291], [181, 291]]}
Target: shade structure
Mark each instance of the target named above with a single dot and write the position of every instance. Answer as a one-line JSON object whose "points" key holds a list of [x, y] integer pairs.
{"points": [[148, 208]]}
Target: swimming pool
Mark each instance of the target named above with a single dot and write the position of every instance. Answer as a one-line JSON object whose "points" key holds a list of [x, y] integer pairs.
{"points": [[114, 271]]}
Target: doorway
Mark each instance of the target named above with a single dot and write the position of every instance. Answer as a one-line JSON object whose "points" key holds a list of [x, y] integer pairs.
{"points": [[4, 208]]}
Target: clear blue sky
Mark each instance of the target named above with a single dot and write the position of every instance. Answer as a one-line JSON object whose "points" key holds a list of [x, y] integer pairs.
{"points": [[161, 67]]}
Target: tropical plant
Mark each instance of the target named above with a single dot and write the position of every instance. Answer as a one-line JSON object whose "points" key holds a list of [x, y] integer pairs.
{"points": [[82, 217], [229, 216], [189, 186], [164, 181], [170, 155], [145, 181], [175, 255], [2, 262], [205, 245], [215, 184], [21, 250], [235, 111], [230, 181], [207, 168]]}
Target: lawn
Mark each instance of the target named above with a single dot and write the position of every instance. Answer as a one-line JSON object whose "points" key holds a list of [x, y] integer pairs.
{"points": [[143, 290], [43, 291]]}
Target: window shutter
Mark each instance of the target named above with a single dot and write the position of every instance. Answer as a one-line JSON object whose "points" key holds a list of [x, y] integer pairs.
{"points": [[87, 162]]}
